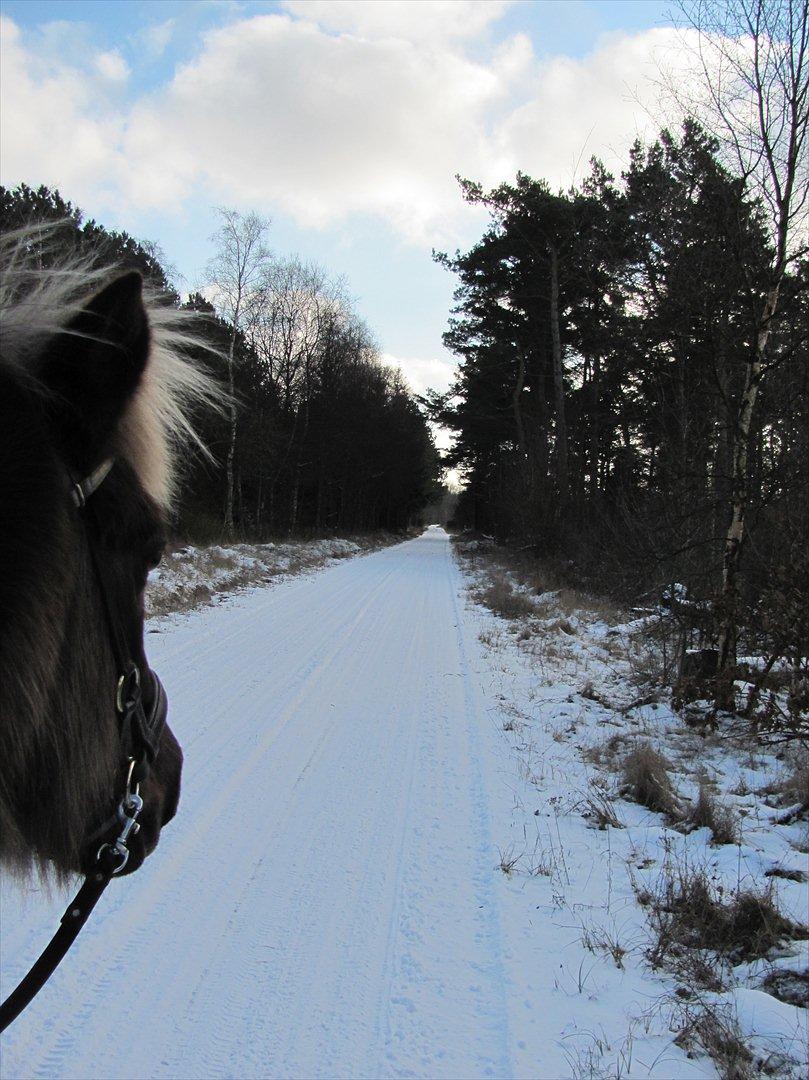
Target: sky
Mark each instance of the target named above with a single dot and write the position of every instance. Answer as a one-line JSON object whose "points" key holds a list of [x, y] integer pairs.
{"points": [[345, 123]]}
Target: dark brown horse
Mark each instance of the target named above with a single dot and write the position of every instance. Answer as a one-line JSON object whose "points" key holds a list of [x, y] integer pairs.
{"points": [[91, 372]]}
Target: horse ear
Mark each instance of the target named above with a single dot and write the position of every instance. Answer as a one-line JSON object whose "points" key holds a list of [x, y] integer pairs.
{"points": [[94, 366]]}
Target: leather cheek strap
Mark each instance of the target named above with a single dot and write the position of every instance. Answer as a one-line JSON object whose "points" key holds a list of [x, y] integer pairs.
{"points": [[143, 730]]}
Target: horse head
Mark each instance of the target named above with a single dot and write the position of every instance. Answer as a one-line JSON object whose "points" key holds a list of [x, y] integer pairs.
{"points": [[94, 396]]}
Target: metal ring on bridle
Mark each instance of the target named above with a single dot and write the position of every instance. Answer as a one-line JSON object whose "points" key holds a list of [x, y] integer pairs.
{"points": [[133, 675]]}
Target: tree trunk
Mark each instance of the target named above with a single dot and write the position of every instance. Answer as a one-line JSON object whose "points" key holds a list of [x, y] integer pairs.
{"points": [[259, 501], [558, 380], [293, 510], [516, 399], [740, 494], [231, 455], [595, 432]]}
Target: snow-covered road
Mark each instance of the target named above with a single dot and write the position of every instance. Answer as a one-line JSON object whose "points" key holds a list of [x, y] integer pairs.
{"points": [[325, 902]]}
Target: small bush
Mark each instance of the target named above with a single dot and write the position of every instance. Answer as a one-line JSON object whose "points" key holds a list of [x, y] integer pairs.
{"points": [[646, 780]]}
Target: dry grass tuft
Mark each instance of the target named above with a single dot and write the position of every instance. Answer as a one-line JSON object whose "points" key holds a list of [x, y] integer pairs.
{"points": [[547, 582], [504, 600], [692, 916], [598, 939], [708, 813], [646, 780], [716, 1032], [599, 808], [795, 787], [604, 754], [508, 861]]}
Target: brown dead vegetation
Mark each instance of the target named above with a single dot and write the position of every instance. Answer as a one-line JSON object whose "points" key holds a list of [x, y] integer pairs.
{"points": [[646, 780], [693, 919], [715, 1032], [795, 786], [708, 813], [598, 807], [546, 587], [504, 600], [606, 753]]}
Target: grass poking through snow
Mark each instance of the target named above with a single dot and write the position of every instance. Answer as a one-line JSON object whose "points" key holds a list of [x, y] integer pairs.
{"points": [[646, 780]]}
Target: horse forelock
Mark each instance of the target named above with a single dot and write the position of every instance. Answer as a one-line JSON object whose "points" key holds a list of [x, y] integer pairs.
{"points": [[158, 421], [38, 302]]}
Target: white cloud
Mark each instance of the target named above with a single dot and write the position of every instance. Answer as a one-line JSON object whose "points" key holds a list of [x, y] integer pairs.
{"points": [[593, 106], [423, 374], [401, 19], [332, 111], [275, 111], [154, 39], [55, 129], [112, 66]]}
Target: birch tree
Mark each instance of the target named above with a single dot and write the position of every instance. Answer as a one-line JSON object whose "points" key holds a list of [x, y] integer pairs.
{"points": [[234, 274], [753, 59]]}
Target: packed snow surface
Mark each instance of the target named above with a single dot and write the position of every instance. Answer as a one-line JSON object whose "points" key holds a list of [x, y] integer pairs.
{"points": [[335, 898]]}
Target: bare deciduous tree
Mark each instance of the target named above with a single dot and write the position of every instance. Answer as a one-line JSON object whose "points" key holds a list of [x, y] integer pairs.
{"points": [[295, 304], [753, 57], [234, 273]]}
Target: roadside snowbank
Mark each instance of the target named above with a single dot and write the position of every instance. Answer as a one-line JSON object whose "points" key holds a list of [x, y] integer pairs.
{"points": [[589, 871], [189, 577]]}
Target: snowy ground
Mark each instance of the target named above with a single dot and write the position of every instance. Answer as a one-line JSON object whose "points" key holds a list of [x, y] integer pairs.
{"points": [[386, 862], [567, 678], [189, 577]]}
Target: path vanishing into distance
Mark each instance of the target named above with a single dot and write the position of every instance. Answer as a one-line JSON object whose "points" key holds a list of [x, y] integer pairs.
{"points": [[325, 903]]}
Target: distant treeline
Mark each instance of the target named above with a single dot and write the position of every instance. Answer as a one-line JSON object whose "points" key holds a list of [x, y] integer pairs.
{"points": [[323, 437], [611, 340]]}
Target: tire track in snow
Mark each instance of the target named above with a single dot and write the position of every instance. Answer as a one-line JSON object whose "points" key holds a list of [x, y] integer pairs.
{"points": [[298, 902], [135, 914], [323, 904], [342, 996], [442, 979]]}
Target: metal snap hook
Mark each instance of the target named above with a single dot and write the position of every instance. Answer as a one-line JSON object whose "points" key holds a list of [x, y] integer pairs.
{"points": [[127, 813]]}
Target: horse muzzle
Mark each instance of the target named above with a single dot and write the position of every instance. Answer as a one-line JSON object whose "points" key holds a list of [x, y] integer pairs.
{"points": [[152, 777]]}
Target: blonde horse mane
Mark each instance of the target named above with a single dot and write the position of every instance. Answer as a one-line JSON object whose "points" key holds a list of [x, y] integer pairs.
{"points": [[38, 301]]}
